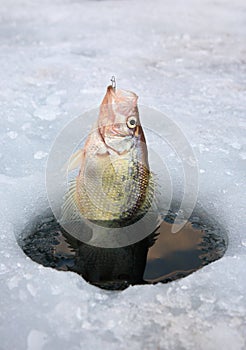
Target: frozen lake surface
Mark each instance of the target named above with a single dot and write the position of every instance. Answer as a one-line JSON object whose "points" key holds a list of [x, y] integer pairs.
{"points": [[186, 59]]}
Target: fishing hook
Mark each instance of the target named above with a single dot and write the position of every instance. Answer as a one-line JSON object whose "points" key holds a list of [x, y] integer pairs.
{"points": [[113, 82]]}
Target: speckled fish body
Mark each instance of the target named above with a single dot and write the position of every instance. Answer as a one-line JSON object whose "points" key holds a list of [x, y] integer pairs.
{"points": [[114, 186]]}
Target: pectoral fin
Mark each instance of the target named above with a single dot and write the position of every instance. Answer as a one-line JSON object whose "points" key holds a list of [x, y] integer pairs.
{"points": [[75, 160]]}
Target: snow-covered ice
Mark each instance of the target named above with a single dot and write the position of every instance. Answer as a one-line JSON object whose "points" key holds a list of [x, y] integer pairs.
{"points": [[186, 59]]}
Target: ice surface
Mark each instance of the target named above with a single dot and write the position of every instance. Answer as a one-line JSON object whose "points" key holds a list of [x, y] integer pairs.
{"points": [[186, 59]]}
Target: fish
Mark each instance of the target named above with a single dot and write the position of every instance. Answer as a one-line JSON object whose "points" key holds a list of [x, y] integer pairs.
{"points": [[114, 186]]}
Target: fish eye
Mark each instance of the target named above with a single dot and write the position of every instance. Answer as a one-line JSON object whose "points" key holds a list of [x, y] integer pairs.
{"points": [[131, 122]]}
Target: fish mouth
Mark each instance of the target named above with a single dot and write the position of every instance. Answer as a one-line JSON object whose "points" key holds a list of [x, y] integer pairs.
{"points": [[111, 90], [114, 95], [111, 95]]}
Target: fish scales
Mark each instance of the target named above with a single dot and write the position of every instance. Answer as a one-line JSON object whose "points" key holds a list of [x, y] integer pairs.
{"points": [[124, 193]]}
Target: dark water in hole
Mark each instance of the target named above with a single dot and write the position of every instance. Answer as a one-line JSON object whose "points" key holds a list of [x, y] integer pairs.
{"points": [[160, 257]]}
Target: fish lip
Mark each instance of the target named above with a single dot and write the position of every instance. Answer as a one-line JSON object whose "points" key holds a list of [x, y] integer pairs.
{"points": [[111, 89], [116, 99]]}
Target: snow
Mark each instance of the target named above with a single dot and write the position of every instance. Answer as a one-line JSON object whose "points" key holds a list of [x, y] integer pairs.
{"points": [[186, 59], [40, 155]]}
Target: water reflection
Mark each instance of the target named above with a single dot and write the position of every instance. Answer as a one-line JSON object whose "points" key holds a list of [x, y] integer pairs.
{"points": [[163, 256]]}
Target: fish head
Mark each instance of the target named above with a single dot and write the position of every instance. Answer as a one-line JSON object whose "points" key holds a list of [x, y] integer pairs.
{"points": [[119, 122]]}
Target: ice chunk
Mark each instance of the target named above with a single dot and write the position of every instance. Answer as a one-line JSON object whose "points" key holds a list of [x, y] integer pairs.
{"points": [[40, 155]]}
